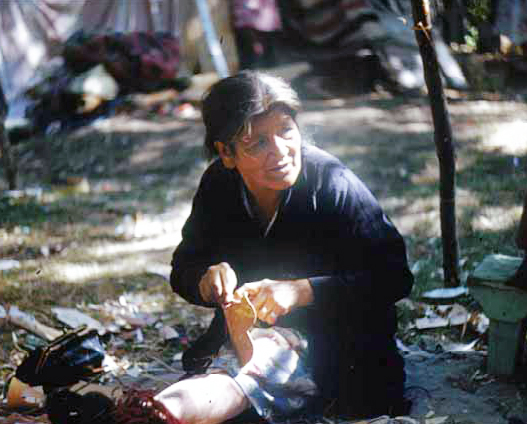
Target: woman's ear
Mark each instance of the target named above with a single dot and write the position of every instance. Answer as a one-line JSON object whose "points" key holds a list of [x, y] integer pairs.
{"points": [[226, 155]]}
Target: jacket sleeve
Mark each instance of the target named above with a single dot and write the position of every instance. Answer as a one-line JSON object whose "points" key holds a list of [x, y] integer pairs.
{"points": [[195, 253], [370, 253]]}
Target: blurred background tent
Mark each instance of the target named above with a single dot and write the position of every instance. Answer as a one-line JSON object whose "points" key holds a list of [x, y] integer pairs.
{"points": [[34, 33], [339, 38], [367, 40], [64, 61]]}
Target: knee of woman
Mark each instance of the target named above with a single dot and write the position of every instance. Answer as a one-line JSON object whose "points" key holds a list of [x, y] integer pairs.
{"points": [[173, 400]]}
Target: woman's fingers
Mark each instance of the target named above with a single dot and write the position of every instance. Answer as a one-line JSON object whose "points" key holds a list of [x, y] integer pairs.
{"points": [[271, 298], [248, 289], [270, 311], [255, 293], [259, 294], [218, 283], [228, 283], [262, 298], [205, 287], [267, 313]]}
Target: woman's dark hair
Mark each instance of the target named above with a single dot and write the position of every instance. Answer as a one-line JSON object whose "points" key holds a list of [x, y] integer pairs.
{"points": [[232, 102]]}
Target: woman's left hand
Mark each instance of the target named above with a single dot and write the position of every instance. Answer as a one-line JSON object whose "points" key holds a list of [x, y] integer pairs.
{"points": [[274, 298]]}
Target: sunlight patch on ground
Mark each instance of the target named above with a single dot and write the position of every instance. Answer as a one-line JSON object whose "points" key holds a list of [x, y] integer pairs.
{"points": [[410, 127], [147, 225], [311, 118], [422, 215], [463, 162], [154, 149], [147, 234], [408, 119], [130, 125], [497, 218], [362, 113], [166, 241], [151, 232], [343, 117], [422, 223], [410, 113], [393, 202], [80, 272], [346, 150], [428, 175], [509, 138], [483, 107]]}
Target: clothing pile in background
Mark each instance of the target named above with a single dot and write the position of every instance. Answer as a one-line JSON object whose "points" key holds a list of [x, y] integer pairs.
{"points": [[338, 35], [257, 24]]}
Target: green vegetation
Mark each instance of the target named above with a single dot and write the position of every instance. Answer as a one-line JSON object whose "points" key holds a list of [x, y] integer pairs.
{"points": [[479, 10]]}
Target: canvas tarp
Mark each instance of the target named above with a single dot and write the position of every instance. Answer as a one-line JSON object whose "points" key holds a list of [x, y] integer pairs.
{"points": [[34, 32]]}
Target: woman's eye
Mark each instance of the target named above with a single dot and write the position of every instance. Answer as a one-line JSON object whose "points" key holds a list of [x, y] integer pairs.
{"points": [[258, 145], [286, 132]]}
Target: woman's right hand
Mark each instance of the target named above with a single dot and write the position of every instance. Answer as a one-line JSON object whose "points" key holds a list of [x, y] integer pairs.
{"points": [[218, 284]]}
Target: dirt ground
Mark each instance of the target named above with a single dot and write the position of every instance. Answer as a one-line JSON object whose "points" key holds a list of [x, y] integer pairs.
{"points": [[459, 391], [154, 159]]}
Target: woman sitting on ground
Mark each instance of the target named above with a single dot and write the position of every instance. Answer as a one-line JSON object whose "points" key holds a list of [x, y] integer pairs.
{"points": [[288, 226]]}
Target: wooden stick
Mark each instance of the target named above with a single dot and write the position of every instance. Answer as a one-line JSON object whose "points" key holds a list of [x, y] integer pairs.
{"points": [[24, 320], [443, 141]]}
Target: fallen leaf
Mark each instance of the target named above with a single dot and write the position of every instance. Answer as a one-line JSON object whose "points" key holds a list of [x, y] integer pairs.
{"points": [[75, 318], [168, 333], [445, 293], [442, 316]]}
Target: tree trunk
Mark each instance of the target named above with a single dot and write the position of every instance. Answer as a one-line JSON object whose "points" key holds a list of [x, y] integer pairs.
{"points": [[443, 141], [8, 160]]}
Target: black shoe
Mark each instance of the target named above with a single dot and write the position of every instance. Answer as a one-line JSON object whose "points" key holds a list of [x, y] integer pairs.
{"points": [[197, 358]]}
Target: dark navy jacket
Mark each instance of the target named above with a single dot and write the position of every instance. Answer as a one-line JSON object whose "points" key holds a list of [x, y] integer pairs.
{"points": [[329, 229]]}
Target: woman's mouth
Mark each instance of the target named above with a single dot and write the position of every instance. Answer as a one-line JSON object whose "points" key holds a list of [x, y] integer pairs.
{"points": [[280, 168]]}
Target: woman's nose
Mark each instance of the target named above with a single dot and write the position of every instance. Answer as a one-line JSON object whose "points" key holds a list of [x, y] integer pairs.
{"points": [[279, 146]]}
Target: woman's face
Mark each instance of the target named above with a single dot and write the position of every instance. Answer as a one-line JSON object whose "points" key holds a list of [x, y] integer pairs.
{"points": [[268, 158]]}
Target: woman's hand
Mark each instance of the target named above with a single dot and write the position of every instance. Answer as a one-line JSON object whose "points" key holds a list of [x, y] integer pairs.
{"points": [[218, 284], [274, 298]]}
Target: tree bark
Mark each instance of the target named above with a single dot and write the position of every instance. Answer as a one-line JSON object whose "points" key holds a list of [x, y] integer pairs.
{"points": [[8, 159], [442, 139]]}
